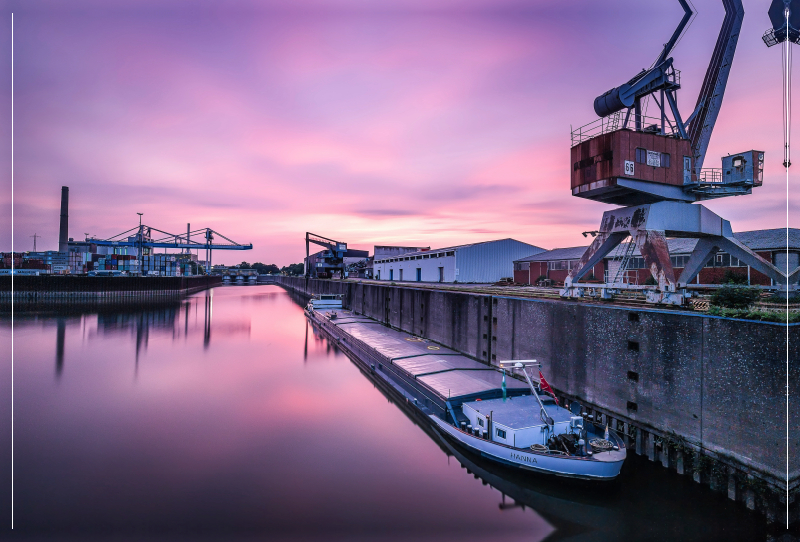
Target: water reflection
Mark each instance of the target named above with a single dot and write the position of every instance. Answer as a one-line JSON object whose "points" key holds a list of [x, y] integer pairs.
{"points": [[233, 429], [60, 334], [183, 320], [647, 502]]}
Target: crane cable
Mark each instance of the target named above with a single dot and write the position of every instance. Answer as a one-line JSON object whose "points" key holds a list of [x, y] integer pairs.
{"points": [[787, 95]]}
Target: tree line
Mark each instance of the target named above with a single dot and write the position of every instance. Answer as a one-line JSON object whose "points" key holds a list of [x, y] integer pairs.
{"points": [[272, 269]]}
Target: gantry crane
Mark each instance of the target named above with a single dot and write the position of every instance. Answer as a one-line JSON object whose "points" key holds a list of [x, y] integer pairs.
{"points": [[144, 237]]}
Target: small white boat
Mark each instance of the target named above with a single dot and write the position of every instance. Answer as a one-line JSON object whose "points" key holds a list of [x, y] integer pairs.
{"points": [[325, 301]]}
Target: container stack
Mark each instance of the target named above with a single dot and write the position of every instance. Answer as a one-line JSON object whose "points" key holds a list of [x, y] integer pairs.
{"points": [[166, 265], [109, 262]]}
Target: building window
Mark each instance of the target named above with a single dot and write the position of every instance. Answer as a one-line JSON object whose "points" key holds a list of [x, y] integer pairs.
{"points": [[562, 265], [451, 254], [501, 433], [679, 261], [480, 422], [656, 159]]}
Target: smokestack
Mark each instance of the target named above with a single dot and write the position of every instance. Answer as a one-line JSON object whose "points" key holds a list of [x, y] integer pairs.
{"points": [[63, 234]]}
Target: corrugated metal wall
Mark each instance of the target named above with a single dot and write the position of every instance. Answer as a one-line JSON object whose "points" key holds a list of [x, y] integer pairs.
{"points": [[489, 262]]}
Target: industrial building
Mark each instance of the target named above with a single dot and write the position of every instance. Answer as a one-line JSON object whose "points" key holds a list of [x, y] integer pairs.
{"points": [[317, 260], [130, 252], [488, 261], [380, 252], [554, 265]]}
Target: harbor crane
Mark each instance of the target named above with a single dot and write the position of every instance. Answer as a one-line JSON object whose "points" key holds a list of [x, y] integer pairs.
{"points": [[143, 237], [332, 258], [653, 168]]}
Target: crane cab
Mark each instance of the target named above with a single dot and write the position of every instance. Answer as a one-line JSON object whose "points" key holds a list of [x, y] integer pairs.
{"points": [[627, 167]]}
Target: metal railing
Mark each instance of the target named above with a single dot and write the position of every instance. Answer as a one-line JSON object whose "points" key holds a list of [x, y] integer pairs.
{"points": [[616, 121], [709, 175]]}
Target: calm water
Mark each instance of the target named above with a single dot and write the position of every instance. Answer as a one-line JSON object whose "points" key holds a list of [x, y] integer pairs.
{"points": [[228, 417]]}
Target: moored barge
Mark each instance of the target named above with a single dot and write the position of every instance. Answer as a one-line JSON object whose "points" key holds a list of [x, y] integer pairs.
{"points": [[501, 418]]}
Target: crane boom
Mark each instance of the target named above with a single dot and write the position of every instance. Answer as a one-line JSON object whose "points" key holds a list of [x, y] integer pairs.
{"points": [[709, 100]]}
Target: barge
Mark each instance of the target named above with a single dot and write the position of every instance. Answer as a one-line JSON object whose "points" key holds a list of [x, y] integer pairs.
{"points": [[486, 410]]}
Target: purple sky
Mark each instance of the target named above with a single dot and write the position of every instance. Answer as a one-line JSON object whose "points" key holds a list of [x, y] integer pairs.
{"points": [[393, 125]]}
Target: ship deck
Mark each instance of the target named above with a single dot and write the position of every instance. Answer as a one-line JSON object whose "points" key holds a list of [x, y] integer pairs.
{"points": [[441, 371]]}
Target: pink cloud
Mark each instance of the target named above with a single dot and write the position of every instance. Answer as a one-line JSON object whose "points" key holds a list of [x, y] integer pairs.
{"points": [[371, 126]]}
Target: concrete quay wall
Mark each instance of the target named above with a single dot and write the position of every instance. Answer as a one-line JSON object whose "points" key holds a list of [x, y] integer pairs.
{"points": [[44, 292], [703, 395]]}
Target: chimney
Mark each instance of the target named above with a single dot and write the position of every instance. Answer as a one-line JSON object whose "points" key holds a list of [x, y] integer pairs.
{"points": [[62, 234]]}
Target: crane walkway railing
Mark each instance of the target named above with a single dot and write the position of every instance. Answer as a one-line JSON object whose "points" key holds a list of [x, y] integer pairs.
{"points": [[616, 121]]}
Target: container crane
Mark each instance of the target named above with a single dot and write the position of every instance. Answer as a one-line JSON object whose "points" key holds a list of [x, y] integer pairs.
{"points": [[653, 167], [147, 237]]}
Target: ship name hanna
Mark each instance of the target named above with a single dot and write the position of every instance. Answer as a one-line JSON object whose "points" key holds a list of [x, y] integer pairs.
{"points": [[519, 457]]}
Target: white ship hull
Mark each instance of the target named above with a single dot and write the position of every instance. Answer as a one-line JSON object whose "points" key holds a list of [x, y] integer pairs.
{"points": [[601, 466]]}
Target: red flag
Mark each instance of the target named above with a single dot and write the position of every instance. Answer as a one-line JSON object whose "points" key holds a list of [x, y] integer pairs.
{"points": [[546, 387]]}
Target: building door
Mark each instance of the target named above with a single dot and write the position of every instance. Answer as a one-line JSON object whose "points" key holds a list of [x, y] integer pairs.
{"points": [[441, 274], [391, 274], [401, 274], [419, 274], [378, 275]]}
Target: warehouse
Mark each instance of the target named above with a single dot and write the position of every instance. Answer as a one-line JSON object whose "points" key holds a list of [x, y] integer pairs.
{"points": [[554, 265], [484, 262]]}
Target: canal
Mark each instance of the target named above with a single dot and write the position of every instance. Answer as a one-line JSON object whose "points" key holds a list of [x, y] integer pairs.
{"points": [[227, 416]]}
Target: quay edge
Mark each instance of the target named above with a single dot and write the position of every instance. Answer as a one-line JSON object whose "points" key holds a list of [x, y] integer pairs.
{"points": [[702, 395], [52, 292]]}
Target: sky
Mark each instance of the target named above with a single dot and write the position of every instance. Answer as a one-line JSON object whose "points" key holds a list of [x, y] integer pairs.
{"points": [[409, 122]]}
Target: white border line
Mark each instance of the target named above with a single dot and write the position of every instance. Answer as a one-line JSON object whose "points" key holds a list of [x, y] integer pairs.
{"points": [[12, 271], [787, 101]]}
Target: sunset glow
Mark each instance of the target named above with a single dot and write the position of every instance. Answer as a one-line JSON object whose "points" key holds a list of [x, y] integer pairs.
{"points": [[394, 125]]}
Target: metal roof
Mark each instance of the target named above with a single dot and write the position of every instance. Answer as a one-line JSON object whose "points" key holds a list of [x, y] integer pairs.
{"points": [[571, 253], [769, 239], [445, 371], [519, 412], [755, 240], [392, 344], [460, 383], [434, 363], [453, 248]]}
